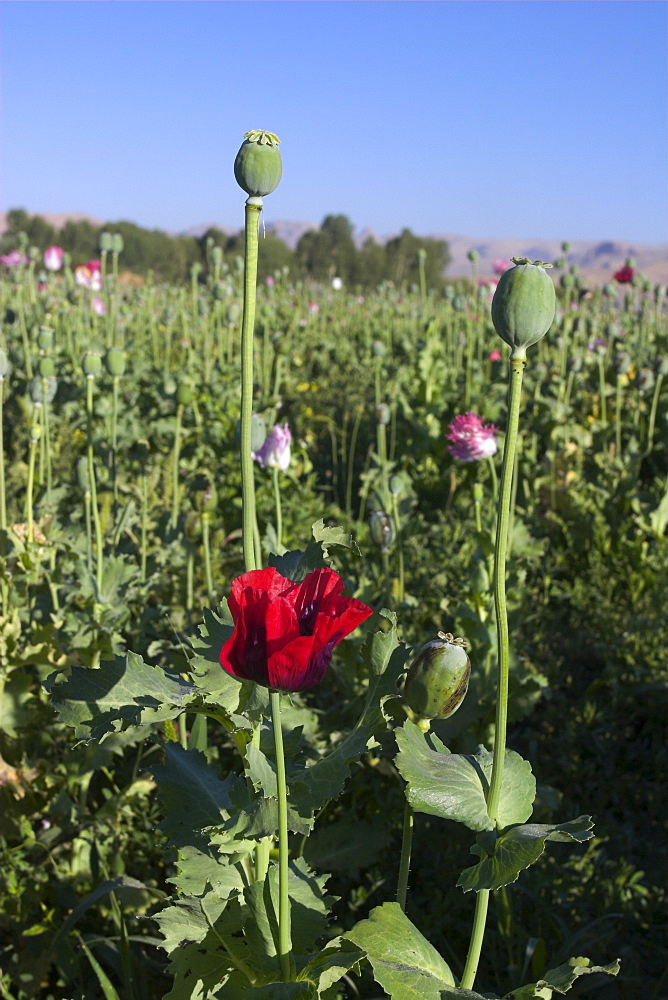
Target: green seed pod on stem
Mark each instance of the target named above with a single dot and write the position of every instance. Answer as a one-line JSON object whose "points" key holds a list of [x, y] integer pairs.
{"points": [[184, 394], [91, 364], [524, 305], [45, 338], [114, 361], [438, 678], [5, 364], [257, 167], [382, 530], [46, 367]]}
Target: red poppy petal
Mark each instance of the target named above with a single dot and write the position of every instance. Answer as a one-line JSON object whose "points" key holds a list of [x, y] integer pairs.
{"points": [[301, 664], [343, 616], [315, 595]]}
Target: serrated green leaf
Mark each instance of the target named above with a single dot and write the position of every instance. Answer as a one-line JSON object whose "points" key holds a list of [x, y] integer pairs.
{"points": [[98, 702], [561, 979], [199, 868], [348, 845], [254, 816], [296, 565], [192, 795], [404, 963], [331, 964], [309, 907], [457, 993], [454, 786], [517, 848], [282, 991]]}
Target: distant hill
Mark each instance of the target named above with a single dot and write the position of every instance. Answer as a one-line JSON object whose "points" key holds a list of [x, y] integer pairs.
{"points": [[597, 259]]}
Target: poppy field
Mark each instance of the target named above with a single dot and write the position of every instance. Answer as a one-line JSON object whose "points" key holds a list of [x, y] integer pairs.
{"points": [[333, 631]]}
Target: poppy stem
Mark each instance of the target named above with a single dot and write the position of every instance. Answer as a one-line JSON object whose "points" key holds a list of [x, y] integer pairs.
{"points": [[501, 722], [253, 209], [284, 935]]}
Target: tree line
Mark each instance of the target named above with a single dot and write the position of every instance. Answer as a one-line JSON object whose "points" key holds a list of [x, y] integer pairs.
{"points": [[321, 254]]}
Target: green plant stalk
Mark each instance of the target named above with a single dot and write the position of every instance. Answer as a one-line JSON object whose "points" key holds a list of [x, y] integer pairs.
{"points": [[30, 487], [144, 525], [279, 513], [501, 721], [89, 531], [190, 576], [601, 382], [400, 550], [351, 463], [114, 433], [24, 337], [652, 414], [618, 417], [47, 444], [252, 222], [405, 860], [284, 934], [91, 481], [175, 467], [206, 539]]}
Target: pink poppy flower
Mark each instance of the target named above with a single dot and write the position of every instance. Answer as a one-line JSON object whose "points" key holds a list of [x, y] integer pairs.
{"points": [[98, 306], [14, 259], [472, 440], [269, 281], [275, 452], [313, 307], [500, 265], [82, 276], [495, 356], [53, 258]]}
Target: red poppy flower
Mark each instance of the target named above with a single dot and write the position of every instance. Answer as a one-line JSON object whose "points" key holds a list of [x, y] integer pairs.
{"points": [[624, 275], [284, 632]]}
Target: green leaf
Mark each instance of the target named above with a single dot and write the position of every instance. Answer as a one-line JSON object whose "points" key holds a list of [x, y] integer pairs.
{"points": [[331, 964], [296, 565], [254, 816], [455, 786], [107, 987], [98, 702], [309, 907], [282, 991], [199, 868], [192, 795], [516, 848], [199, 958], [348, 846], [561, 979], [404, 963], [112, 885]]}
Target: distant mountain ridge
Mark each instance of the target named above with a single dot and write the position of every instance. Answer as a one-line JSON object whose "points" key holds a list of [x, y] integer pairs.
{"points": [[597, 259]]}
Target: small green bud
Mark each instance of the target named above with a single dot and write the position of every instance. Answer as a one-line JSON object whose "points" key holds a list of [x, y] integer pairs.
{"points": [[91, 364], [382, 529], [460, 303], [105, 242], [609, 291], [82, 474], [396, 485], [217, 256], [473, 255], [114, 361], [5, 364], [46, 367], [35, 433], [565, 246], [383, 414], [45, 338], [438, 678], [258, 167], [184, 394], [117, 243], [378, 348], [524, 305]]}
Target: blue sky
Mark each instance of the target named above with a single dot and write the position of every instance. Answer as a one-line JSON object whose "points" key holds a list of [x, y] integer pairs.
{"points": [[492, 118]]}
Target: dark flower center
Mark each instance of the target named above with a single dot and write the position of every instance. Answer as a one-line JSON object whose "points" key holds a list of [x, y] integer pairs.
{"points": [[256, 648], [307, 619]]}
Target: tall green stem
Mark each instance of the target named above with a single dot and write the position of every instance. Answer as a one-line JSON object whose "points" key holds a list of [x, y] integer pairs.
{"points": [[517, 366], [91, 481], [207, 557], [405, 862], [284, 935], [253, 209], [279, 515], [175, 467], [500, 549]]}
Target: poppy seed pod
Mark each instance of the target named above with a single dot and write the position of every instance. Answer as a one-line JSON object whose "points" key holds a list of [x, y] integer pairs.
{"points": [[91, 364], [524, 305], [438, 678], [257, 167], [114, 361]]}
